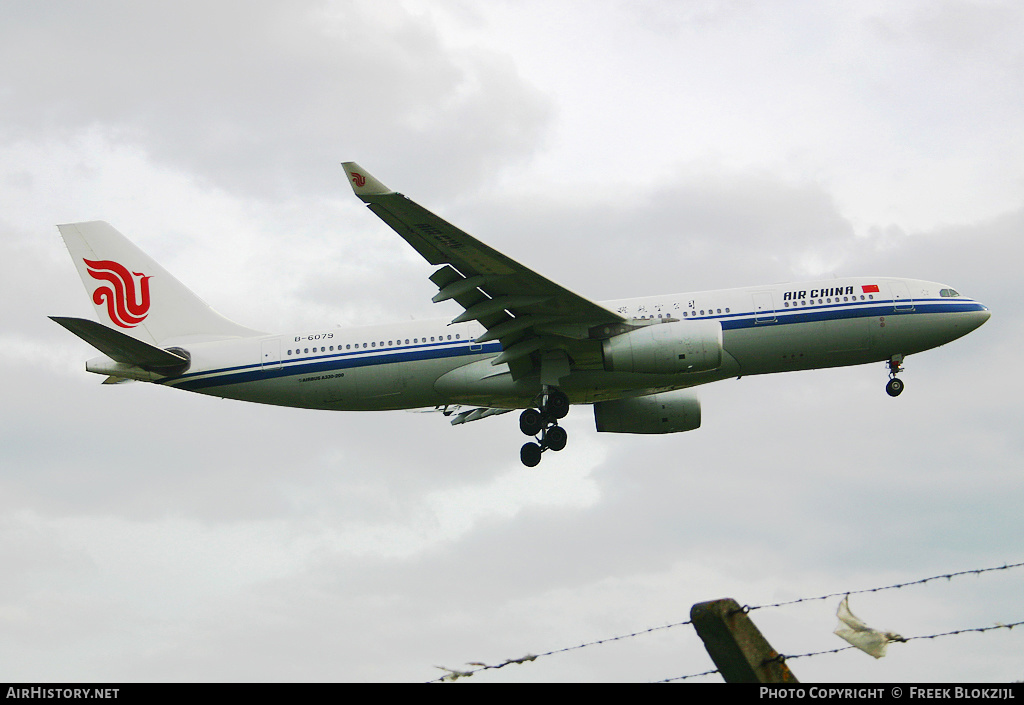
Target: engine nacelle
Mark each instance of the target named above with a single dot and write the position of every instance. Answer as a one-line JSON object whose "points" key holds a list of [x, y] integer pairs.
{"points": [[668, 412], [666, 348]]}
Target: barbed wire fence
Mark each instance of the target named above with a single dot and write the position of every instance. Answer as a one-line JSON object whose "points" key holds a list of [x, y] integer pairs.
{"points": [[790, 657], [455, 674]]}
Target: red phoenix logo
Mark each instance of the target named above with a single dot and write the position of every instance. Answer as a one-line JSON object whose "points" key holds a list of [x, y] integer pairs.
{"points": [[127, 301], [358, 179]]}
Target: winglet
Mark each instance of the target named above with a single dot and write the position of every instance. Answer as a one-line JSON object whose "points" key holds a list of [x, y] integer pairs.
{"points": [[362, 182]]}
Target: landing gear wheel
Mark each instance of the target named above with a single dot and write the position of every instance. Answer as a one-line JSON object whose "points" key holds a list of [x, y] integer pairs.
{"points": [[531, 422], [543, 422], [555, 438], [530, 454], [894, 387], [558, 404]]}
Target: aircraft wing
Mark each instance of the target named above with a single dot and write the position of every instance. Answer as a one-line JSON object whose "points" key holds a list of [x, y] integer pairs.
{"points": [[534, 318]]}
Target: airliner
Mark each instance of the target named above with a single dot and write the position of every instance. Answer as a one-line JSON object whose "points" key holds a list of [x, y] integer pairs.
{"points": [[521, 342]]}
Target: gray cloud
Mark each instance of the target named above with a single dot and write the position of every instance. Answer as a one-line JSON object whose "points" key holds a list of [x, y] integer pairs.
{"points": [[713, 229], [267, 97]]}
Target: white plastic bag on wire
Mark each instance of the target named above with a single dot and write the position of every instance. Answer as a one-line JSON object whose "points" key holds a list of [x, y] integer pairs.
{"points": [[854, 631]]}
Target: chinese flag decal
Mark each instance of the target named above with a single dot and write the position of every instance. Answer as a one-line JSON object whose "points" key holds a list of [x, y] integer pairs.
{"points": [[870, 289]]}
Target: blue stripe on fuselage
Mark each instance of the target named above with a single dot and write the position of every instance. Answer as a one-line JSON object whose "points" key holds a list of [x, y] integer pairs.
{"points": [[842, 311], [327, 362]]}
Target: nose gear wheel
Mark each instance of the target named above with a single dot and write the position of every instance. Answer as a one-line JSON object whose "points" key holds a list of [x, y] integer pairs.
{"points": [[895, 385]]}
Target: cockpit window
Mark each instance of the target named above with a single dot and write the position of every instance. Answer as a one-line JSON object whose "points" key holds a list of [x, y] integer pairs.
{"points": [[948, 293]]}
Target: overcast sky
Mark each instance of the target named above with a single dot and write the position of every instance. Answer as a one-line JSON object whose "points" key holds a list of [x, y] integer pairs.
{"points": [[619, 148]]}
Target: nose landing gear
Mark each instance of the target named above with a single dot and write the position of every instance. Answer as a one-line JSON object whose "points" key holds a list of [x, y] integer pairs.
{"points": [[895, 385], [554, 405]]}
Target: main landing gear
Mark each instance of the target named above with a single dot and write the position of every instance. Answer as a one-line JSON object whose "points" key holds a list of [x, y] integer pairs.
{"points": [[542, 423], [895, 385]]}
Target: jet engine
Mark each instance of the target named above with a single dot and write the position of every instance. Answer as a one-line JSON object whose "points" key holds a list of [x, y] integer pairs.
{"points": [[667, 412], [666, 348]]}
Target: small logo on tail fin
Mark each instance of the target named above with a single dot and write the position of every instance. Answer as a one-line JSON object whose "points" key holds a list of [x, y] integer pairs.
{"points": [[358, 179], [127, 301]]}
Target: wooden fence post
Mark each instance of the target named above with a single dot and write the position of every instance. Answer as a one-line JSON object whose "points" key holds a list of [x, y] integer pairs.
{"points": [[735, 644]]}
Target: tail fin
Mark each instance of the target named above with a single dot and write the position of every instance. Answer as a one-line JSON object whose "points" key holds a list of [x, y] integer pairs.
{"points": [[135, 295]]}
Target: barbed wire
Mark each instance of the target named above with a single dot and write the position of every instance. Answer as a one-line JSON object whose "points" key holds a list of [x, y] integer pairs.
{"points": [[453, 674], [897, 586], [790, 657], [966, 631], [692, 675]]}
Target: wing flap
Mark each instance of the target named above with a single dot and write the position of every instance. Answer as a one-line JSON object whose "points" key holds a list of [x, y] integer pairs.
{"points": [[476, 415]]}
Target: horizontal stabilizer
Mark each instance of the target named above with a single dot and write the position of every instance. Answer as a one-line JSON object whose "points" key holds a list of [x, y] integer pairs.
{"points": [[124, 348]]}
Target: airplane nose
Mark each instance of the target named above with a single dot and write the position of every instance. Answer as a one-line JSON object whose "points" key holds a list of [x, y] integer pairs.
{"points": [[979, 317]]}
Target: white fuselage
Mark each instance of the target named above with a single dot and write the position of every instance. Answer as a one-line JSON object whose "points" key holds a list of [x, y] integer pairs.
{"points": [[766, 329]]}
